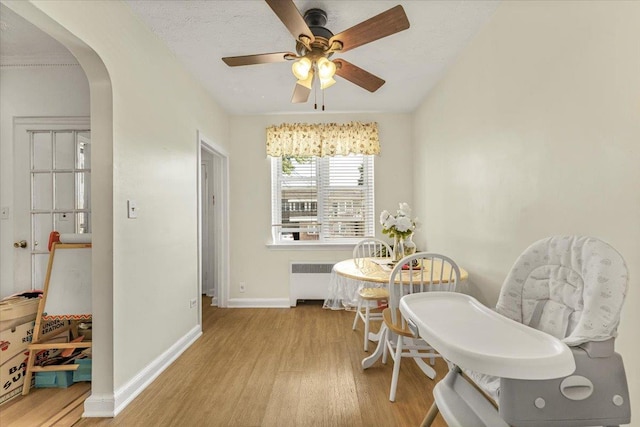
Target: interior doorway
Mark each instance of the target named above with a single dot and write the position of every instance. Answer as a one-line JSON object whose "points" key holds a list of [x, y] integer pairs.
{"points": [[208, 197], [213, 221]]}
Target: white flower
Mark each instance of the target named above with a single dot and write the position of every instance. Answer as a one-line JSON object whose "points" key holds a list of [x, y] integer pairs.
{"points": [[390, 222], [400, 225], [384, 215], [416, 222], [403, 224], [405, 209]]}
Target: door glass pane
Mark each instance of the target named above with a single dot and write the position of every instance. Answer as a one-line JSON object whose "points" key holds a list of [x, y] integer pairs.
{"points": [[40, 262], [42, 191], [65, 150], [84, 150], [83, 189], [41, 150], [64, 222], [64, 190], [82, 221], [41, 229]]}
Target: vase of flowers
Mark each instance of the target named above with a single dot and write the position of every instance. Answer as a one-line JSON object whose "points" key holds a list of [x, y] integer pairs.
{"points": [[401, 227]]}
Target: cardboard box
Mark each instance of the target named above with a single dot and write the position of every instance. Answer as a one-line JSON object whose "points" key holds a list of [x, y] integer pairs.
{"points": [[17, 317], [13, 369], [12, 372], [15, 392], [13, 341], [17, 311]]}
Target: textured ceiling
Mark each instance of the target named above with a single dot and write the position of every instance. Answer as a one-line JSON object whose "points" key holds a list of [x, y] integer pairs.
{"points": [[200, 33], [22, 43]]}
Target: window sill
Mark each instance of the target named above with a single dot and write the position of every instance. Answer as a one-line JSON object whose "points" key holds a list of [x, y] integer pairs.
{"points": [[310, 246]]}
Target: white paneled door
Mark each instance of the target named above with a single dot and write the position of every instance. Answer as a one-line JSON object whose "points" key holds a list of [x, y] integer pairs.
{"points": [[52, 189]]}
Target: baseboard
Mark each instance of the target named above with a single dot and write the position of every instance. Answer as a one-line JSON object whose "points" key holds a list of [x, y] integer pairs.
{"points": [[258, 303], [99, 406], [108, 406]]}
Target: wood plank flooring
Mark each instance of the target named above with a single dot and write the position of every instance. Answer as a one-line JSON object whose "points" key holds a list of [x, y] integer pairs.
{"points": [[278, 367], [44, 407]]}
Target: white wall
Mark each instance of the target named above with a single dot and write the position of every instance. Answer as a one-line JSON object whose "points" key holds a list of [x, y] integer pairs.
{"points": [[31, 91], [535, 131], [265, 270], [157, 110]]}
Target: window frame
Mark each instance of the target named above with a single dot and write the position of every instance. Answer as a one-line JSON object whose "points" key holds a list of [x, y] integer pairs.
{"points": [[322, 191]]}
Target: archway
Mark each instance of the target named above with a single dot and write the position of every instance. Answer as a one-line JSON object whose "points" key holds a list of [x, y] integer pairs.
{"points": [[101, 402]]}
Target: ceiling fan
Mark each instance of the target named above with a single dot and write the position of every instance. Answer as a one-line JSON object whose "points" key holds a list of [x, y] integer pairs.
{"points": [[315, 45]]}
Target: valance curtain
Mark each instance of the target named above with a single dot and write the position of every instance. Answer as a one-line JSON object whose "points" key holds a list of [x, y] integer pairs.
{"points": [[322, 139]]}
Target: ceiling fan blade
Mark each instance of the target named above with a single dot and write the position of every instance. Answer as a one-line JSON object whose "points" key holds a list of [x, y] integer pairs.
{"points": [[291, 18], [385, 24], [262, 58], [357, 75], [300, 94]]}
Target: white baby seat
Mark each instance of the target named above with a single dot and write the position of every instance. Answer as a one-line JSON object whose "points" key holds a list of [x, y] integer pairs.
{"points": [[572, 288]]}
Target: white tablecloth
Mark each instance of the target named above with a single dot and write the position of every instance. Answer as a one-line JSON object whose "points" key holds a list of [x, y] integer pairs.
{"points": [[343, 292]]}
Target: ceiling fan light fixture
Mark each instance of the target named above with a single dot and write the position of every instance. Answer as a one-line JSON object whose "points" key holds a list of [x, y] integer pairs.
{"points": [[326, 68], [306, 82], [301, 68], [326, 83]]}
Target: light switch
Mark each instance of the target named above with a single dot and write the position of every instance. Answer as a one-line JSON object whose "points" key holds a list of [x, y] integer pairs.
{"points": [[4, 213], [132, 209]]}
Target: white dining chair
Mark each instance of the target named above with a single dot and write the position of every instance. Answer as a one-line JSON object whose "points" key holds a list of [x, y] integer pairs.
{"points": [[370, 298], [420, 272]]}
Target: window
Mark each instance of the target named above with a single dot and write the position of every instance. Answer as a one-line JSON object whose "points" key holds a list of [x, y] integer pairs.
{"points": [[322, 199]]}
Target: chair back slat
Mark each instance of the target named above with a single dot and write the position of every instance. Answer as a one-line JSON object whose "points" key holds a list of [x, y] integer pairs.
{"points": [[370, 247], [421, 272]]}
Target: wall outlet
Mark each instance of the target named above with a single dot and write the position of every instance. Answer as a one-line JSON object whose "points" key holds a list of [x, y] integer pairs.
{"points": [[242, 286], [193, 303]]}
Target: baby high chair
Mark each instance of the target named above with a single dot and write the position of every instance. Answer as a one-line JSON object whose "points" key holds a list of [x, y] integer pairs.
{"points": [[571, 288]]}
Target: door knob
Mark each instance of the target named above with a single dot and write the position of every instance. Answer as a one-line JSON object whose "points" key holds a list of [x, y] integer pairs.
{"points": [[21, 244]]}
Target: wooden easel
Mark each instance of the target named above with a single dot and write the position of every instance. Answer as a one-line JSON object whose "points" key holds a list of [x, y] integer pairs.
{"points": [[39, 342]]}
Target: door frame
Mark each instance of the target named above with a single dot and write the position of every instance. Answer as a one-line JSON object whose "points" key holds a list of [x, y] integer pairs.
{"points": [[207, 231], [221, 218]]}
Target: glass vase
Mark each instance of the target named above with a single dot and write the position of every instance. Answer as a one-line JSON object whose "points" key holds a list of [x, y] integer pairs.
{"points": [[409, 246], [398, 248]]}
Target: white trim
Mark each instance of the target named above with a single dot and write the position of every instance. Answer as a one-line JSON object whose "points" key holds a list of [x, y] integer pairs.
{"points": [[125, 394], [45, 122], [106, 405], [99, 406], [221, 222], [258, 303]]}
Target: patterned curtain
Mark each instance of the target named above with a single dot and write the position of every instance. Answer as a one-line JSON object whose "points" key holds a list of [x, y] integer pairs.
{"points": [[322, 139]]}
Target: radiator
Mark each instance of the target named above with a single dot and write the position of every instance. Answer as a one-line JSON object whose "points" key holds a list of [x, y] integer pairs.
{"points": [[309, 280]]}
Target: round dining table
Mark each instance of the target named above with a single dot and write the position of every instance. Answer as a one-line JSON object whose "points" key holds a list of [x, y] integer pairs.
{"points": [[351, 275]]}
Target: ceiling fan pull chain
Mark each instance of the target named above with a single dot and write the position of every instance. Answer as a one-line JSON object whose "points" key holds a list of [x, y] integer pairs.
{"points": [[315, 95], [322, 99]]}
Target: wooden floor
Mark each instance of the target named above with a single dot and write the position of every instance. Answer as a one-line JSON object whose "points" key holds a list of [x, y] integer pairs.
{"points": [[43, 407], [278, 367]]}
